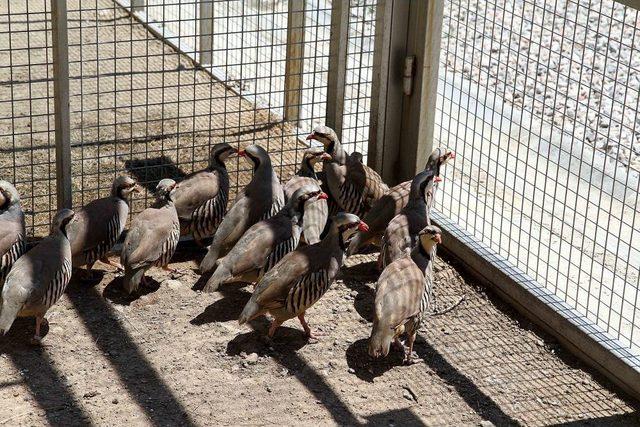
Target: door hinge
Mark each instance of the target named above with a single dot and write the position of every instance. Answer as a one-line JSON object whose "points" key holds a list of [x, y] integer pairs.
{"points": [[407, 75]]}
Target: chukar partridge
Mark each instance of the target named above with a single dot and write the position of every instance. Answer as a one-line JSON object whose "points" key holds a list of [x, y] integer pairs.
{"points": [[266, 242], [201, 198], [401, 233], [98, 225], [402, 296], [38, 279], [390, 205], [353, 185], [261, 199], [152, 238], [12, 230], [317, 212], [302, 277]]}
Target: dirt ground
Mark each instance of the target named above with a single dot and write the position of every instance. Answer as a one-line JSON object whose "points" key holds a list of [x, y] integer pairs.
{"points": [[176, 356]]}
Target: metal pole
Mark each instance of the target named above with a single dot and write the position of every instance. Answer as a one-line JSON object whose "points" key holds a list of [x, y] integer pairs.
{"points": [[337, 65], [61, 102], [295, 60], [206, 32], [137, 5], [406, 60]]}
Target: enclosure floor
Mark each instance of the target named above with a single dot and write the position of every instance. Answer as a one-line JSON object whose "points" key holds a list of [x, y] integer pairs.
{"points": [[176, 356]]}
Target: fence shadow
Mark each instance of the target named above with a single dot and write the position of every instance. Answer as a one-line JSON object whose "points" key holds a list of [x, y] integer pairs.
{"points": [[148, 172], [46, 384], [137, 374]]}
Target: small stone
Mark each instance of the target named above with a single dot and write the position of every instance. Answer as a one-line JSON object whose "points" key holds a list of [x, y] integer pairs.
{"points": [[486, 423], [351, 371], [114, 401], [174, 285], [252, 359], [407, 395]]}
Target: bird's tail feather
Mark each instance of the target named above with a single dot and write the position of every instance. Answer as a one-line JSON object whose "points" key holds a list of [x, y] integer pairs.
{"points": [[219, 276], [250, 312], [132, 279], [8, 313], [210, 259], [380, 341]]}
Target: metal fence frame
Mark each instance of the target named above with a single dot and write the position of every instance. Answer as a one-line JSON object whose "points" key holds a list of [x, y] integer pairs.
{"points": [[401, 134]]}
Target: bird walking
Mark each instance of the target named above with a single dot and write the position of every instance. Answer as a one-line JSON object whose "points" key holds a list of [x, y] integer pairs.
{"points": [[302, 277], [260, 199], [98, 225], [266, 242], [401, 233], [152, 238], [390, 205], [201, 198], [352, 185], [403, 295], [12, 229], [317, 212], [38, 279]]}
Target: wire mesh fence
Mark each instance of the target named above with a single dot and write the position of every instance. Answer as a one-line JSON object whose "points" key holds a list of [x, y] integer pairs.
{"points": [[540, 99], [154, 84]]}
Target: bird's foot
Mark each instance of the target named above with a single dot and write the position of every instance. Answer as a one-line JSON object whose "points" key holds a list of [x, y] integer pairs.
{"points": [[398, 345], [412, 358], [36, 340], [174, 272], [119, 268]]}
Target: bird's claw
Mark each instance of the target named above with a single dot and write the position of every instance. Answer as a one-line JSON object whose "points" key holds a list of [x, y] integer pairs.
{"points": [[36, 340]]}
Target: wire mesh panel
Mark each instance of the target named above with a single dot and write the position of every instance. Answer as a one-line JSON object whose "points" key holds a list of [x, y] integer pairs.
{"points": [[26, 108], [540, 102]]}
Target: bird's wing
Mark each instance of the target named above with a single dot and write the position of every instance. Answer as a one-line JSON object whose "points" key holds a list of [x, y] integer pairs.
{"points": [[193, 191], [399, 292], [145, 242]]}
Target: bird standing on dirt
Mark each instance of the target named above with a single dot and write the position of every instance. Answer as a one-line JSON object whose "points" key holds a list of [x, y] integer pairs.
{"points": [[152, 238], [201, 198], [12, 230], [38, 279], [266, 242], [98, 225], [402, 232], [352, 185], [302, 277], [316, 212], [261, 199], [402, 296], [390, 205]]}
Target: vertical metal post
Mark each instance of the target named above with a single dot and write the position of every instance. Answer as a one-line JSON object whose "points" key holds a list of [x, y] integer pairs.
{"points": [[206, 32], [337, 65], [294, 61], [404, 92], [137, 5], [61, 102]]}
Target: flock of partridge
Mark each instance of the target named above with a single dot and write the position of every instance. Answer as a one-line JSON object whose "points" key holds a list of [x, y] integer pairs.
{"points": [[289, 240]]}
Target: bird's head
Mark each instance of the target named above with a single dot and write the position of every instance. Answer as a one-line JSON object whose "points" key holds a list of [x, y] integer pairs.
{"points": [[306, 194], [220, 153], [326, 136], [430, 236], [256, 155], [62, 219], [348, 224], [123, 186], [8, 195], [438, 158], [164, 189]]}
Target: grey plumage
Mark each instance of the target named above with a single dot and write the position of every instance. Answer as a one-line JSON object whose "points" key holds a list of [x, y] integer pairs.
{"points": [[39, 278], [152, 238], [260, 199], [352, 185], [301, 278], [98, 225], [401, 233], [266, 242], [12, 229], [201, 198], [403, 294], [390, 205], [317, 212]]}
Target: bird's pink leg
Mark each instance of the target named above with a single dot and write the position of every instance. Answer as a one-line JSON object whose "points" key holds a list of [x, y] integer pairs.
{"points": [[37, 339], [113, 264], [307, 329], [408, 358], [274, 325]]}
